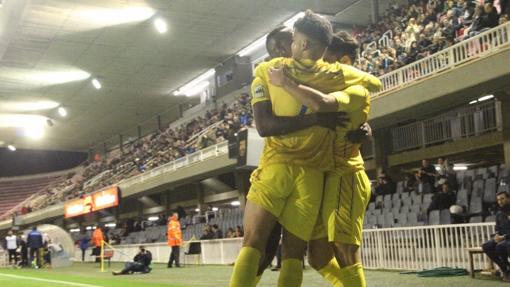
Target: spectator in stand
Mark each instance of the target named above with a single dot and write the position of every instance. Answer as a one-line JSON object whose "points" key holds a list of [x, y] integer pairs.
{"points": [[35, 243], [239, 231], [445, 173], [218, 234], [230, 233], [84, 244], [141, 263], [174, 235], [12, 245], [427, 176], [498, 248], [208, 233], [443, 199], [385, 185]]}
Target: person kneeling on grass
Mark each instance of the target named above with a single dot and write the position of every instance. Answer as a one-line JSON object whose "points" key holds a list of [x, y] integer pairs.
{"points": [[142, 262]]}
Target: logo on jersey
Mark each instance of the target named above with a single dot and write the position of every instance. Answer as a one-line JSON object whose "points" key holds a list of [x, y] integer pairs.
{"points": [[259, 92]]}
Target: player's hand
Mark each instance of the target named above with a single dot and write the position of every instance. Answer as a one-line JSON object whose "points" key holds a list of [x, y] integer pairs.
{"points": [[277, 76], [332, 120], [360, 135]]}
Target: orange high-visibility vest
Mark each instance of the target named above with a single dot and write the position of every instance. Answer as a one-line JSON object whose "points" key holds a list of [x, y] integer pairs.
{"points": [[97, 237], [174, 232]]}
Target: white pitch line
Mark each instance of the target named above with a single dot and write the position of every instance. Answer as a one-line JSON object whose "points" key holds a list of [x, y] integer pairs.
{"points": [[48, 280]]}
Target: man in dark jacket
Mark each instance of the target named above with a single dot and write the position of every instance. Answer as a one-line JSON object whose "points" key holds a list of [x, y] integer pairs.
{"points": [[142, 262], [35, 242], [442, 200], [498, 248]]}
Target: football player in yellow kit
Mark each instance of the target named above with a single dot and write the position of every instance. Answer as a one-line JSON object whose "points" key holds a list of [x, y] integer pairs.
{"points": [[347, 188], [287, 186]]}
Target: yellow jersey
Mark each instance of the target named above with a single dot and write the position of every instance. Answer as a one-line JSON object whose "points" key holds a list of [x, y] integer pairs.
{"points": [[311, 147]]}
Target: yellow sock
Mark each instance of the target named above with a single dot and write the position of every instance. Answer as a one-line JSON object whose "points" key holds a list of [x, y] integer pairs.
{"points": [[291, 273], [257, 279], [331, 272], [353, 276], [245, 268]]}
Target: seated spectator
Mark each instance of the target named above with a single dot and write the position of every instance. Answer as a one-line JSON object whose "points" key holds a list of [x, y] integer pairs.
{"points": [[208, 233], [218, 234], [385, 185], [239, 231], [498, 248], [142, 262], [230, 233], [443, 199]]}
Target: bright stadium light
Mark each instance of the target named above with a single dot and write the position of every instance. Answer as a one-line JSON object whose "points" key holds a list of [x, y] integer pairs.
{"points": [[29, 106], [485, 98], [196, 85], [11, 147], [473, 102], [35, 132], [62, 112], [460, 167], [153, 218], [112, 225], [74, 230], [160, 25], [215, 209], [235, 203], [197, 209], [96, 84], [88, 228]]}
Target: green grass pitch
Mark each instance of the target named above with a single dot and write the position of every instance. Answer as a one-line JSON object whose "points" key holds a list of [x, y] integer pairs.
{"points": [[89, 275]]}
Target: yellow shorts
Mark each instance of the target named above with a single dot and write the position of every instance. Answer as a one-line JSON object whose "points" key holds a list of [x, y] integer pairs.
{"points": [[343, 208], [293, 194]]}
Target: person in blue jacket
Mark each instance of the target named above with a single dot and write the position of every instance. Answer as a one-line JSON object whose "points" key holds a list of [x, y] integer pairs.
{"points": [[34, 243], [84, 244]]}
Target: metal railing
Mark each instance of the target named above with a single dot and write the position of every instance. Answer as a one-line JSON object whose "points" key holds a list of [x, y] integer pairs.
{"points": [[478, 46], [424, 247], [199, 156], [466, 122]]}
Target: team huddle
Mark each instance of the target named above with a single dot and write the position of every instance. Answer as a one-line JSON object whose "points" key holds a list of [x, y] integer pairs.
{"points": [[308, 102]]}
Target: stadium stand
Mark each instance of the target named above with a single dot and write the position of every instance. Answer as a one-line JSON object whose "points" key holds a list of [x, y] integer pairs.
{"points": [[408, 207], [414, 30], [16, 191]]}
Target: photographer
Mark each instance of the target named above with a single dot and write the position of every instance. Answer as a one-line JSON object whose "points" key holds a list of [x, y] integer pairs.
{"points": [[141, 263]]}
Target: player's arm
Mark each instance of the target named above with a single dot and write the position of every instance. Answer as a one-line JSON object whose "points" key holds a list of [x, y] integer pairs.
{"points": [[268, 124]]}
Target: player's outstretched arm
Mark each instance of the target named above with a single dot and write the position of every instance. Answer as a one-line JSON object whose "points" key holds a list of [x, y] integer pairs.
{"points": [[268, 124]]}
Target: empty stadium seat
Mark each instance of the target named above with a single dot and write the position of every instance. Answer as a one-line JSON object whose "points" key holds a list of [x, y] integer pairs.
{"points": [[462, 198], [434, 217], [402, 219], [389, 220], [371, 206], [475, 204], [400, 187], [412, 219], [491, 218], [489, 195], [445, 217]]}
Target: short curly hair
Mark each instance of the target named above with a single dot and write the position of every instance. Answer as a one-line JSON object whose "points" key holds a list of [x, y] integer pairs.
{"points": [[316, 27]]}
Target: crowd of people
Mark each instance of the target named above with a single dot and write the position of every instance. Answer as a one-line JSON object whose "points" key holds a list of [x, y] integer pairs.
{"points": [[407, 33], [139, 156], [212, 231]]}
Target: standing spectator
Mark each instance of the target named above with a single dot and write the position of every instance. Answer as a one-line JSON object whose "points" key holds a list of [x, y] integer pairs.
{"points": [[174, 235], [498, 248], [84, 244], [97, 239], [12, 245], [35, 242], [427, 176]]}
